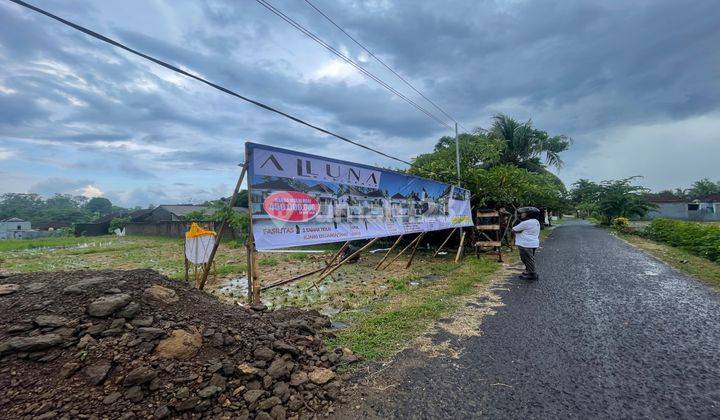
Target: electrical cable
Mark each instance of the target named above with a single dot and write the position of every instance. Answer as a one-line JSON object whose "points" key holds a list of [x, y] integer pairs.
{"points": [[347, 59], [207, 82], [367, 50]]}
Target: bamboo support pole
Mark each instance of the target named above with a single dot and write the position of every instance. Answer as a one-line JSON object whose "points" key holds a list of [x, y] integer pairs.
{"points": [[412, 255], [219, 236], [290, 280], [341, 263], [248, 252], [387, 254], [403, 251], [255, 278], [337, 254], [445, 242], [460, 248]]}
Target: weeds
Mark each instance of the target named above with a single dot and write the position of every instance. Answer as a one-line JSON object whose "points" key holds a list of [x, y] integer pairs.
{"points": [[701, 239], [384, 327]]}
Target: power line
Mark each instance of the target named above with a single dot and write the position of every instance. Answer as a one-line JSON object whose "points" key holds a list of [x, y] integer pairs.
{"points": [[207, 82], [347, 59], [383, 63]]}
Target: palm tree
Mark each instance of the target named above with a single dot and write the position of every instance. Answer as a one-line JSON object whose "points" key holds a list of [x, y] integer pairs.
{"points": [[526, 145]]}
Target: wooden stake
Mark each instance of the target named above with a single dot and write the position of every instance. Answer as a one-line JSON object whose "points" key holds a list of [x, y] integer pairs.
{"points": [[446, 241], [219, 236], [351, 256], [255, 278], [337, 254], [414, 250], [403, 251], [290, 280], [389, 251], [460, 248], [187, 264], [248, 251]]}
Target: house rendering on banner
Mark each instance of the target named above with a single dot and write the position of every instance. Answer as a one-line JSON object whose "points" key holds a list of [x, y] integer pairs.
{"points": [[348, 202]]}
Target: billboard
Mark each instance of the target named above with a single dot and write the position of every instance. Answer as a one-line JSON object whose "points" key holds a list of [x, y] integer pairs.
{"points": [[301, 199]]}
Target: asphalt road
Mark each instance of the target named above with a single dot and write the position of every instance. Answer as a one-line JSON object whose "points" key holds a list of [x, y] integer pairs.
{"points": [[607, 332]]}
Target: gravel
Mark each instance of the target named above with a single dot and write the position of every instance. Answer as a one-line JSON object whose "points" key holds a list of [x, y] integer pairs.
{"points": [[124, 344]]}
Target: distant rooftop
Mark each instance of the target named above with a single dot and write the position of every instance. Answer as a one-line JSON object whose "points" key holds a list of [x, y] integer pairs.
{"points": [[667, 197]]}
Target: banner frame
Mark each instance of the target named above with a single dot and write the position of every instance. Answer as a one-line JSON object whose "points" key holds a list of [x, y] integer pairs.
{"points": [[252, 174]]}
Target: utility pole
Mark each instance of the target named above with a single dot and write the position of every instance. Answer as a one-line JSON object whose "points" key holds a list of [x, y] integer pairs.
{"points": [[457, 154]]}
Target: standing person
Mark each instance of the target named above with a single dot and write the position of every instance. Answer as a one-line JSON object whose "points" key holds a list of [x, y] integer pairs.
{"points": [[527, 239]]}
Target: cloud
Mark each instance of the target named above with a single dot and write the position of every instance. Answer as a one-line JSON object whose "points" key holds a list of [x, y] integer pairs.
{"points": [[59, 185], [91, 191], [663, 153], [609, 74], [6, 153]]}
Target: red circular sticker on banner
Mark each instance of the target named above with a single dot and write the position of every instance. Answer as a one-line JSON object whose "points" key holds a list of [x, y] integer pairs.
{"points": [[291, 206]]}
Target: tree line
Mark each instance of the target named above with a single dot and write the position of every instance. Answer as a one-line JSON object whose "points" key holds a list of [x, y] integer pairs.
{"points": [[64, 208], [609, 200], [505, 165]]}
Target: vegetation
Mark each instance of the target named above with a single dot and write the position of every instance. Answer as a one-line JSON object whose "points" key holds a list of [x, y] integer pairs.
{"points": [[701, 188], [702, 239], [704, 187], [385, 327], [59, 208], [502, 166], [524, 145], [609, 200], [118, 223], [108, 252], [99, 205]]}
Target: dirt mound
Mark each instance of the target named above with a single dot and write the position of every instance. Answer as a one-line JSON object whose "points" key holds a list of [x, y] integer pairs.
{"points": [[122, 344]]}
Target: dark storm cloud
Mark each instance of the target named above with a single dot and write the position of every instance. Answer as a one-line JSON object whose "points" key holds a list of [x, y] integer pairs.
{"points": [[646, 59], [92, 137], [205, 157], [133, 170], [577, 67]]}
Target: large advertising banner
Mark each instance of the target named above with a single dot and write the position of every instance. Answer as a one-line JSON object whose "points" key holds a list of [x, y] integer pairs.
{"points": [[301, 199]]}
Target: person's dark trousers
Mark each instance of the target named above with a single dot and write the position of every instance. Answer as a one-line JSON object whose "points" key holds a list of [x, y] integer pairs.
{"points": [[527, 255]]}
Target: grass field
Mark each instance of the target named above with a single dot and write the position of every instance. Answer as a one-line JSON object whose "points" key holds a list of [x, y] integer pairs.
{"points": [[384, 326]]}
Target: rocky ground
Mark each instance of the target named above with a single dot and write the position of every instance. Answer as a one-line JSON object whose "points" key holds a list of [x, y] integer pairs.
{"points": [[126, 344]]}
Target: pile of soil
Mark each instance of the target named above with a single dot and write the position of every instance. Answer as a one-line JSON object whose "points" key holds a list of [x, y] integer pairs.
{"points": [[125, 344]]}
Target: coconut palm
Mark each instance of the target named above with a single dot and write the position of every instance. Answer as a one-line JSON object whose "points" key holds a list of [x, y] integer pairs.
{"points": [[526, 145]]}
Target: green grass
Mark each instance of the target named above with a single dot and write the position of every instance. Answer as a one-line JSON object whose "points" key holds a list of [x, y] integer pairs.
{"points": [[268, 262], [381, 329], [19, 244]]}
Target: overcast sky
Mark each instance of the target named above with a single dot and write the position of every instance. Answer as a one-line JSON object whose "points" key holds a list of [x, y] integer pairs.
{"points": [[636, 84]]}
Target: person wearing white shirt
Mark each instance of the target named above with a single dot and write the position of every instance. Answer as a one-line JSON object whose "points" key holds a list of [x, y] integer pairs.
{"points": [[527, 240]]}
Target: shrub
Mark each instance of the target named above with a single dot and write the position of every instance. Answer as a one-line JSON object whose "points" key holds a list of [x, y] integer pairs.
{"points": [[621, 222], [118, 223], [702, 239]]}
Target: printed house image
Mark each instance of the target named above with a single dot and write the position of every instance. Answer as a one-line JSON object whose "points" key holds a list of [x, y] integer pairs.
{"points": [[328, 202], [340, 203], [362, 203], [400, 206]]}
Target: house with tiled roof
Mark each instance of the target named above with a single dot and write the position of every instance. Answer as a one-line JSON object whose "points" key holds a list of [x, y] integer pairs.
{"points": [[671, 206]]}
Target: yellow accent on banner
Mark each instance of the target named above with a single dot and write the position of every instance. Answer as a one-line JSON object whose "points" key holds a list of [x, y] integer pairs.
{"points": [[196, 231]]}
